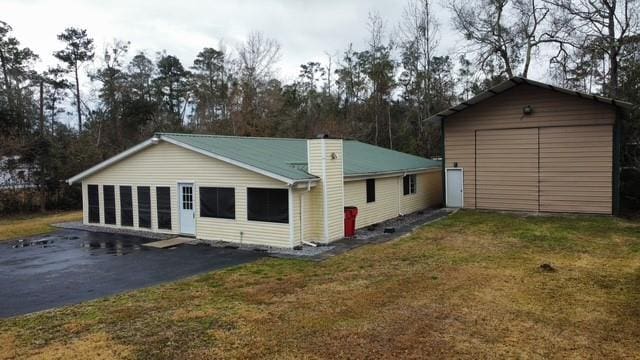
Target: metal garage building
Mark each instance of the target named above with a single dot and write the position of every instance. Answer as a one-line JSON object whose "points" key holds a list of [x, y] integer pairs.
{"points": [[529, 146]]}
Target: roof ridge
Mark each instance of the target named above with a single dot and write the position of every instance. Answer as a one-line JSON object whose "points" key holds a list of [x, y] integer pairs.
{"points": [[231, 136]]}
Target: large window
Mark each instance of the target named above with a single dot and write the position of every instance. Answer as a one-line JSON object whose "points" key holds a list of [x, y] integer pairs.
{"points": [[218, 202], [371, 190], [126, 206], [271, 205], [163, 201], [144, 207], [409, 184], [109, 194], [94, 203]]}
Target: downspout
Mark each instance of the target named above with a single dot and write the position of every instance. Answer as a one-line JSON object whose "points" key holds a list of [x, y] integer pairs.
{"points": [[302, 240], [442, 148], [291, 217]]}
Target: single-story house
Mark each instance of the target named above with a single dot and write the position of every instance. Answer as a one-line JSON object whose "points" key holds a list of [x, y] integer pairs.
{"points": [[263, 191], [528, 146]]}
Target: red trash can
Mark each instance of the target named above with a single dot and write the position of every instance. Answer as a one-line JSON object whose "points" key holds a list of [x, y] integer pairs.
{"points": [[350, 214]]}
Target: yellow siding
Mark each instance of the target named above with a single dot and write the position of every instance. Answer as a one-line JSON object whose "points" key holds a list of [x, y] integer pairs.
{"points": [[165, 165], [390, 199], [314, 228], [329, 168], [428, 193]]}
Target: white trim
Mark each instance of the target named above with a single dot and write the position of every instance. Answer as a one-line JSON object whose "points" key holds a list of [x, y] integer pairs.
{"points": [[446, 181], [155, 140], [324, 189], [233, 162], [112, 160], [291, 217], [390, 174], [342, 184], [179, 204]]}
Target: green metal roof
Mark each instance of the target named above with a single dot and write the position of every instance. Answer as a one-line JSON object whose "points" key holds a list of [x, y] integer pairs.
{"points": [[288, 157]]}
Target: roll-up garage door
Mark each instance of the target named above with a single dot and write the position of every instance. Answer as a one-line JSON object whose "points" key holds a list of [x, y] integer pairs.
{"points": [[576, 169], [507, 169]]}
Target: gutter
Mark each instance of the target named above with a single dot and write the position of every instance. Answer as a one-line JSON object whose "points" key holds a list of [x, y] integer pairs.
{"points": [[354, 177]]}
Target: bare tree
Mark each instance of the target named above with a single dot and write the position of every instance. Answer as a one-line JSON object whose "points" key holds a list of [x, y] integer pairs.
{"points": [[484, 25], [257, 56], [605, 26], [419, 34]]}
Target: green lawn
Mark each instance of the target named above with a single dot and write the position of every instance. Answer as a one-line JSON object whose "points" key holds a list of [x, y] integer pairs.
{"points": [[35, 224], [465, 287]]}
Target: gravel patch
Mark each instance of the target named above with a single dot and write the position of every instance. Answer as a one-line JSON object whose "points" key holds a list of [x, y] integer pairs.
{"points": [[305, 251]]}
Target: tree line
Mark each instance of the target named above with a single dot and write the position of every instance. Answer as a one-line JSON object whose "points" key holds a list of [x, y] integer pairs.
{"points": [[382, 93]]}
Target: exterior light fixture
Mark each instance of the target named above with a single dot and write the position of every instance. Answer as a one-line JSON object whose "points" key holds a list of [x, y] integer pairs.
{"points": [[527, 110], [155, 140]]}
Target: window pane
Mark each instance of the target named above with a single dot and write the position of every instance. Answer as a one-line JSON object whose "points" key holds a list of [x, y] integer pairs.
{"points": [[144, 207], [270, 205], [405, 185], [94, 203], [217, 202], [163, 199], [126, 206], [227, 203], [412, 188], [371, 190], [108, 192]]}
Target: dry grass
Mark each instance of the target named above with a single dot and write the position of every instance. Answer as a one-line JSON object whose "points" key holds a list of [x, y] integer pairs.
{"points": [[466, 287], [22, 226]]}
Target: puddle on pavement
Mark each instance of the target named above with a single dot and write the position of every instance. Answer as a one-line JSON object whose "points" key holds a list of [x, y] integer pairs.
{"points": [[117, 248], [43, 243]]}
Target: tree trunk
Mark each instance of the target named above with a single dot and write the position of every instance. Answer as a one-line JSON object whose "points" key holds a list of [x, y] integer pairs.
{"points": [[78, 99], [5, 75], [42, 130]]}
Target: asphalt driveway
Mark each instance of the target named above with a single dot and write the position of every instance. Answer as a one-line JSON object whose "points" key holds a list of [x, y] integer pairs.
{"points": [[71, 266]]}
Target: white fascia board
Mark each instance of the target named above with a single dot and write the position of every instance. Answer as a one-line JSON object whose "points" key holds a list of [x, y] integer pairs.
{"points": [[389, 174], [112, 160]]}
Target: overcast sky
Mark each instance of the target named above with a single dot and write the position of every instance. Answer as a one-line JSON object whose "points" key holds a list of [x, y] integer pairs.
{"points": [[305, 29]]}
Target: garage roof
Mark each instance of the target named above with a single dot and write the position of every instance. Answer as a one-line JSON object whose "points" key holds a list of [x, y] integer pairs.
{"points": [[281, 158], [515, 81]]}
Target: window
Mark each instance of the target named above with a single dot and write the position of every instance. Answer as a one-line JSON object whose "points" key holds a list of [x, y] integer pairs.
{"points": [[163, 202], [144, 207], [409, 184], [187, 198], [126, 206], [371, 190], [218, 202], [108, 192], [271, 205], [94, 203]]}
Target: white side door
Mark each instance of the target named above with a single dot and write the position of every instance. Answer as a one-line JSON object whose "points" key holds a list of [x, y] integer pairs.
{"points": [[455, 189], [186, 207]]}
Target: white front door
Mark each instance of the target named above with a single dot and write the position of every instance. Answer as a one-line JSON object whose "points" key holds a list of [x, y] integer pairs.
{"points": [[454, 183], [187, 212]]}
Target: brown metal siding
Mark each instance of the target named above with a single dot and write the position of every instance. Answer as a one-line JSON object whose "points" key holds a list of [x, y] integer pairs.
{"points": [[504, 112], [576, 169], [507, 169]]}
